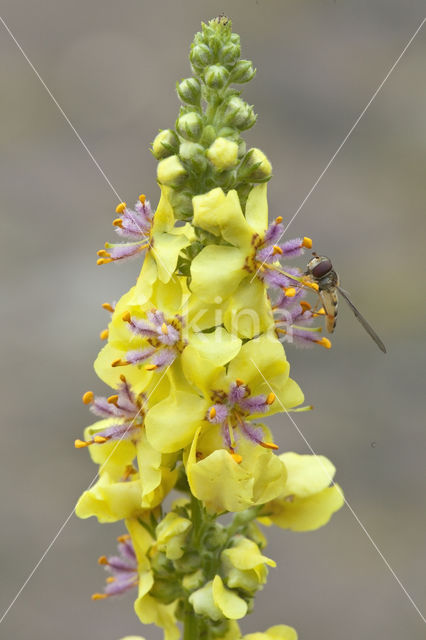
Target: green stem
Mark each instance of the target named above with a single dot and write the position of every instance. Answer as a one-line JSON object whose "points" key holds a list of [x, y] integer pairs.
{"points": [[190, 625]]}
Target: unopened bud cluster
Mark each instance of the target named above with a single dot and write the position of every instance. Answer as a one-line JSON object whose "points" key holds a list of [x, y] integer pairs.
{"points": [[205, 149]]}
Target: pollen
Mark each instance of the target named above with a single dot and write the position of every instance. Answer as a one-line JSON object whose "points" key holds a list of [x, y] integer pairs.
{"points": [[290, 292], [311, 285], [120, 208], [271, 398], [107, 307], [142, 198], [88, 397], [324, 342], [307, 243], [212, 413], [104, 334]]}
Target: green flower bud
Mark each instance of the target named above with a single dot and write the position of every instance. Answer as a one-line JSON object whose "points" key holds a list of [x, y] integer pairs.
{"points": [[193, 581], [208, 136], [216, 537], [255, 167], [165, 144], [216, 76], [161, 565], [166, 591], [239, 114], [193, 154], [223, 154], [200, 56], [230, 54], [190, 125], [188, 563], [189, 91], [243, 72], [171, 171], [181, 202]]}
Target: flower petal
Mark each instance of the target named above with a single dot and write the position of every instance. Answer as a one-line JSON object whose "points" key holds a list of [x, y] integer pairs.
{"points": [[232, 606], [307, 474], [218, 346], [257, 208], [216, 272]]}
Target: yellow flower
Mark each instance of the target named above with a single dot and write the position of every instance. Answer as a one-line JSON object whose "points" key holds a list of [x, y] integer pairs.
{"points": [[216, 602], [308, 501], [278, 632], [171, 533]]}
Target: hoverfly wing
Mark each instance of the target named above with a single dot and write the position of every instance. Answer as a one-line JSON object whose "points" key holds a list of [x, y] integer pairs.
{"points": [[363, 321], [329, 302]]}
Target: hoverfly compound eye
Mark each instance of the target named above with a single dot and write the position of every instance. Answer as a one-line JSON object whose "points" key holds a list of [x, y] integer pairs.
{"points": [[322, 268]]}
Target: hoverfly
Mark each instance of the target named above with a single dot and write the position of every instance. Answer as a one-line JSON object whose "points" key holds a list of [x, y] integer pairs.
{"points": [[321, 271]]}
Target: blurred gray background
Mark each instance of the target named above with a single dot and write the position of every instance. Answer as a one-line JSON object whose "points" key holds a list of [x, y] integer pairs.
{"points": [[112, 66]]}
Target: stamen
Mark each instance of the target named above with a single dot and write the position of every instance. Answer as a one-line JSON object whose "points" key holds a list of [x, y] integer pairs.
{"points": [[103, 254], [271, 398], [113, 399], [123, 538], [126, 317], [305, 306], [99, 596], [104, 334], [142, 198], [120, 208], [88, 397], [239, 382], [119, 363], [151, 367], [236, 456], [117, 222], [212, 413], [123, 379], [102, 560], [307, 243], [269, 445], [324, 342], [278, 220], [110, 579], [103, 261], [107, 307], [99, 440], [278, 250]]}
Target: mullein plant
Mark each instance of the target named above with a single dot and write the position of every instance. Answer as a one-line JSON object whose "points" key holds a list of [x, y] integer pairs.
{"points": [[195, 359]]}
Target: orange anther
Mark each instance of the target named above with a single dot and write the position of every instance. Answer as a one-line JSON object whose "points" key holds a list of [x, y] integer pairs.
{"points": [[118, 363], [107, 307], [277, 249], [99, 596], [271, 398], [164, 329], [239, 382], [324, 342], [113, 399], [103, 560], [122, 378], [307, 243], [80, 444], [117, 222], [103, 261], [212, 413], [236, 456], [120, 207], [151, 367], [123, 537], [290, 292], [126, 316], [305, 306], [269, 445], [142, 198], [104, 334], [278, 220], [110, 579], [103, 254], [88, 397]]}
